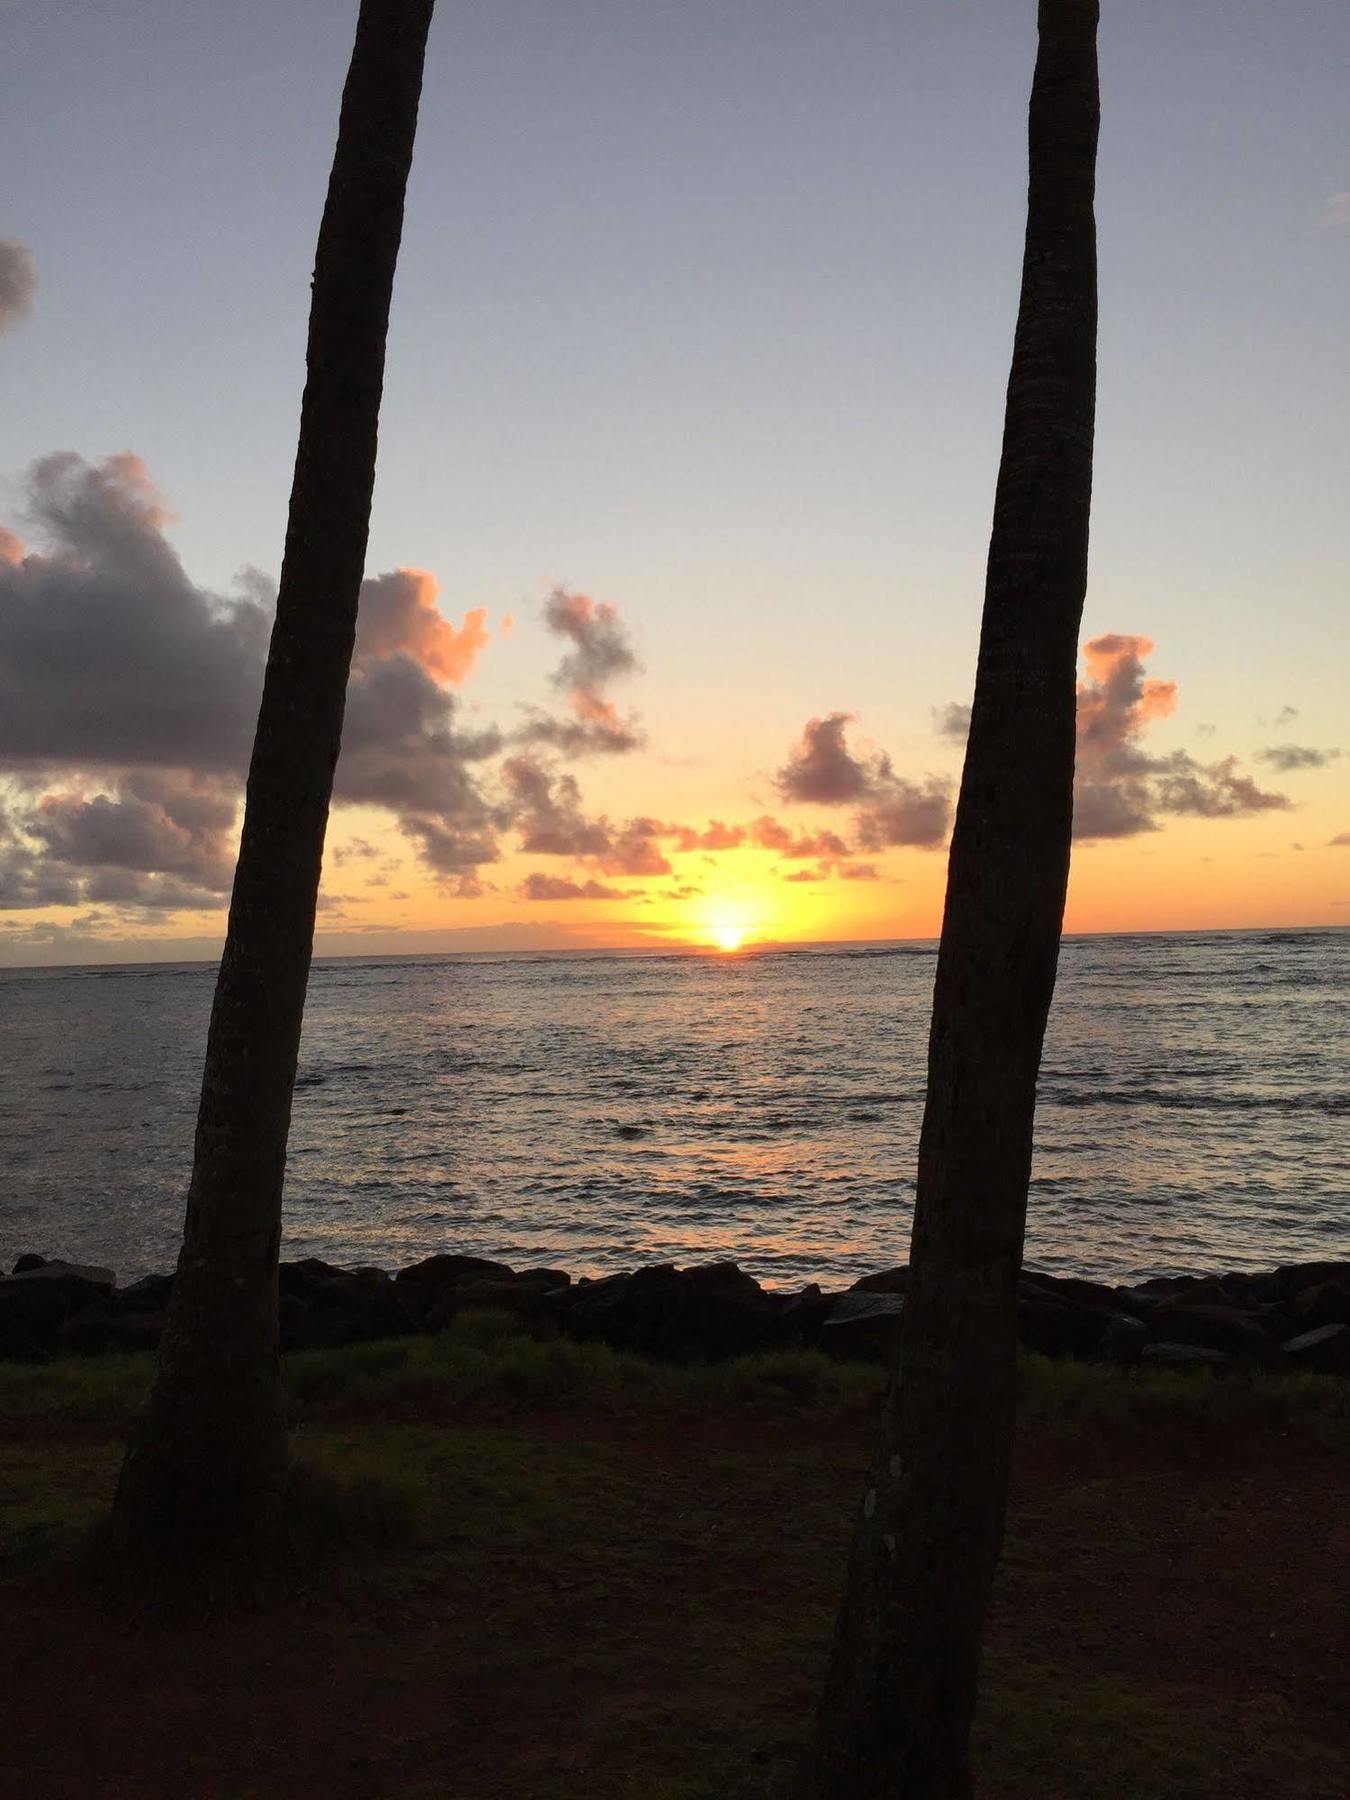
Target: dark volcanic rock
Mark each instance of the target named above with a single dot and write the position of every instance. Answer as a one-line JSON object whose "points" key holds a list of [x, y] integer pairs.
{"points": [[36, 1304], [1213, 1327], [710, 1313], [1328, 1303], [29, 1261], [1326, 1350], [99, 1329], [445, 1271], [885, 1281], [863, 1325]]}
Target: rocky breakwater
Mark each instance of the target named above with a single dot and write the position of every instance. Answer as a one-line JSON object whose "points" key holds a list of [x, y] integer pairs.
{"points": [[1294, 1317]]}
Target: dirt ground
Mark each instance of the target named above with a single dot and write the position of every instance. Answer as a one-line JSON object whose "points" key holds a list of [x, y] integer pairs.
{"points": [[1171, 1621]]}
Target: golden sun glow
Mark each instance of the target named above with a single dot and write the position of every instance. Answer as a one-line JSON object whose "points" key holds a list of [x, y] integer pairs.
{"points": [[728, 921]]}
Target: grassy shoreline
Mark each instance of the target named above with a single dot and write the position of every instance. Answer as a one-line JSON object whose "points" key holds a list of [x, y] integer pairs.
{"points": [[537, 1567]]}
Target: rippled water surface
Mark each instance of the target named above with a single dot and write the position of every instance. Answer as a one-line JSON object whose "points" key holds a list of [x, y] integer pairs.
{"points": [[601, 1111]]}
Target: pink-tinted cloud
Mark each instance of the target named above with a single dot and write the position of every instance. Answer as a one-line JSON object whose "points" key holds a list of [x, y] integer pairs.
{"points": [[600, 654], [715, 836], [1120, 790], [559, 887], [399, 613], [768, 833], [11, 548]]}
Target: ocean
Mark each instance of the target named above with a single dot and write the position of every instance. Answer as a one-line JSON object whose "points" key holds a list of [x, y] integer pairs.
{"points": [[595, 1112]]}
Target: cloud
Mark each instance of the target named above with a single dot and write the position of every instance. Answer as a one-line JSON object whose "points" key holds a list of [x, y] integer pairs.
{"points": [[821, 769], [770, 834], [601, 653], [108, 654], [18, 282], [1336, 211], [559, 887], [635, 851], [114, 665], [1287, 757], [906, 814], [399, 613], [714, 836], [952, 721], [858, 871], [1341, 841], [894, 810], [546, 809], [1119, 789], [1285, 716]]}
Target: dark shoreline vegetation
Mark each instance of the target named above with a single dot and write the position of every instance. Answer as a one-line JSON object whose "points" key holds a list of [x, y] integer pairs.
{"points": [[1295, 1317], [527, 1567]]}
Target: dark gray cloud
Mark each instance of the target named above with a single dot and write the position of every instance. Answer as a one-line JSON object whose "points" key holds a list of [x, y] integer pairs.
{"points": [[822, 770], [109, 656], [905, 814], [545, 807], [18, 282], [128, 695], [1288, 757]]}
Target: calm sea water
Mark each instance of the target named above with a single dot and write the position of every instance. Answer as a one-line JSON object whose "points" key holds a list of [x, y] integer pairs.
{"points": [[596, 1112]]}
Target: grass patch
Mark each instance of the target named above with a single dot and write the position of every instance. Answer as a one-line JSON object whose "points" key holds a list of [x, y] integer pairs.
{"points": [[1067, 1394], [50, 1497], [101, 1389]]}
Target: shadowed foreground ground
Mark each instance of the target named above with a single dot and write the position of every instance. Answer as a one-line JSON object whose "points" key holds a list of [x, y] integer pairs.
{"points": [[543, 1569]]}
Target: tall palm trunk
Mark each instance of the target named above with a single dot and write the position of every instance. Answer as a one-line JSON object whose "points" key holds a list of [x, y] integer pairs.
{"points": [[900, 1692], [205, 1472]]}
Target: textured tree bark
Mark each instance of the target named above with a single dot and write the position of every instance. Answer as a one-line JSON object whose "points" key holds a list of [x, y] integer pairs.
{"points": [[900, 1692], [205, 1470]]}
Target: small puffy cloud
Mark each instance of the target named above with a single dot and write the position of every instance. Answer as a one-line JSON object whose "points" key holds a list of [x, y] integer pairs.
{"points": [[600, 654], [18, 282], [1287, 757], [771, 834], [1336, 212], [398, 612], [858, 871], [1285, 716], [822, 770], [714, 836], [1341, 841], [807, 875], [952, 721], [559, 887]]}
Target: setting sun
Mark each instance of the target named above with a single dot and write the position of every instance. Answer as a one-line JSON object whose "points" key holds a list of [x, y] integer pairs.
{"points": [[728, 937]]}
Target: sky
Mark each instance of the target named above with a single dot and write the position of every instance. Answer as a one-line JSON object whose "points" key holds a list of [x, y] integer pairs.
{"points": [[691, 421]]}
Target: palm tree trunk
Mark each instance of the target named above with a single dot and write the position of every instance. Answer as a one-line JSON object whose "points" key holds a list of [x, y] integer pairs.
{"points": [[205, 1471], [900, 1692]]}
